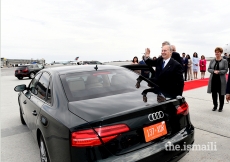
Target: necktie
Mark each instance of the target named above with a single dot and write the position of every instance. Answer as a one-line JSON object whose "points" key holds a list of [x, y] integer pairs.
{"points": [[163, 64]]}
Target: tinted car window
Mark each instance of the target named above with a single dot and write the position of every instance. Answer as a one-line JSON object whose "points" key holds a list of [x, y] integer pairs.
{"points": [[34, 82], [49, 95], [42, 85], [100, 84]]}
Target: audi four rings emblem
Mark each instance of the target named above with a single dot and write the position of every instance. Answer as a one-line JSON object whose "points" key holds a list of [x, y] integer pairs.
{"points": [[156, 115]]}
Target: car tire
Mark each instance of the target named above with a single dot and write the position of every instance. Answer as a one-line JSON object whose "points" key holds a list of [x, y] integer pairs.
{"points": [[43, 151], [20, 78], [32, 75], [21, 117]]}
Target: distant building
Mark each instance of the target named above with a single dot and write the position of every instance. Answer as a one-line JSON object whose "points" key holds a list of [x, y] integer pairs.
{"points": [[16, 62]]}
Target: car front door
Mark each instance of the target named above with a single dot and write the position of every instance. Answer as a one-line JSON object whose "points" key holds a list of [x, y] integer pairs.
{"points": [[25, 102], [37, 99]]}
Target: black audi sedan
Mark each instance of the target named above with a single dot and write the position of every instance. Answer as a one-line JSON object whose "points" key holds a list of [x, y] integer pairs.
{"points": [[95, 113]]}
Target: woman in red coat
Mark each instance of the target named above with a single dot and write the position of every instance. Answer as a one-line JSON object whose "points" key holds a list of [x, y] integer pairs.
{"points": [[202, 66]]}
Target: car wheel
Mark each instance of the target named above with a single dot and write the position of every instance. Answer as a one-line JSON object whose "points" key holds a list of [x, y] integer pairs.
{"points": [[20, 78], [43, 151], [32, 75], [21, 117]]}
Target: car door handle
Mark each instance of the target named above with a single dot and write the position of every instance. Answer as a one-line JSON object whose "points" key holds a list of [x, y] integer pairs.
{"points": [[34, 113], [25, 102]]}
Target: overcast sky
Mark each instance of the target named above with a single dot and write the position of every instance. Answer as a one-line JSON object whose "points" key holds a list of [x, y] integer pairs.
{"points": [[111, 30]]}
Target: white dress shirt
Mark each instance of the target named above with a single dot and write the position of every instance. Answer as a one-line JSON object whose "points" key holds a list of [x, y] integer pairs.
{"points": [[166, 61]]}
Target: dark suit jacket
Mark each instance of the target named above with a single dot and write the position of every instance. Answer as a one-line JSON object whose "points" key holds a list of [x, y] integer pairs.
{"points": [[228, 85], [185, 61], [228, 62], [170, 79], [176, 56]]}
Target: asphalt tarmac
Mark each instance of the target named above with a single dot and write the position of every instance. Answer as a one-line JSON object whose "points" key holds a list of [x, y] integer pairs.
{"points": [[211, 128]]}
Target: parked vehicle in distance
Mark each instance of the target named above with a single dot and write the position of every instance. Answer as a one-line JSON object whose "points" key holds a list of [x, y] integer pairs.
{"points": [[95, 113], [28, 71], [91, 63]]}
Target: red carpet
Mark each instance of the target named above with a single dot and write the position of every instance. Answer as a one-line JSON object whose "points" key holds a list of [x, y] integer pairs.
{"points": [[196, 83]]}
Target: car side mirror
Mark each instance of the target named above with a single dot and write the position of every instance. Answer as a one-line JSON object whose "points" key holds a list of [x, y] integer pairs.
{"points": [[20, 88], [33, 90]]}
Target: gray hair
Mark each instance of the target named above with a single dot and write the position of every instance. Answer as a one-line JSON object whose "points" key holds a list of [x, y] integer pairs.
{"points": [[170, 48], [173, 48], [165, 43]]}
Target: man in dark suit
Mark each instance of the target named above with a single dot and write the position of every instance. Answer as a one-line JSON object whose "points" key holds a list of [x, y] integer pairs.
{"points": [[176, 55], [185, 66], [228, 89], [169, 73], [225, 56]]}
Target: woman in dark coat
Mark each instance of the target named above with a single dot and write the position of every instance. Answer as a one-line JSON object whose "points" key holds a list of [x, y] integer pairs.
{"points": [[218, 67]]}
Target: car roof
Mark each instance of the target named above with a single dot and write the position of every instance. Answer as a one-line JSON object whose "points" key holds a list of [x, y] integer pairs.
{"points": [[81, 68]]}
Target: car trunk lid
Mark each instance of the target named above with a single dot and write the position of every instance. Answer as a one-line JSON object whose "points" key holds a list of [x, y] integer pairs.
{"points": [[140, 117]]}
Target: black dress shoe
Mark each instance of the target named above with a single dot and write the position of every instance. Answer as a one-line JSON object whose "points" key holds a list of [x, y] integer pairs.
{"points": [[214, 109], [220, 110]]}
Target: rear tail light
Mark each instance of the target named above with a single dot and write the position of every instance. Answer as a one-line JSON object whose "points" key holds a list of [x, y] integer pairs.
{"points": [[25, 70], [89, 137], [183, 109]]}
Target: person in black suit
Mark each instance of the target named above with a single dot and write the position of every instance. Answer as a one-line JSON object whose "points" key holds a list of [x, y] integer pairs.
{"points": [[225, 56], [228, 89], [169, 73], [176, 55], [185, 66]]}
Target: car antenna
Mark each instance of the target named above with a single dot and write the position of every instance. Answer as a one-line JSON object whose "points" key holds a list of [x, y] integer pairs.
{"points": [[96, 68]]}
